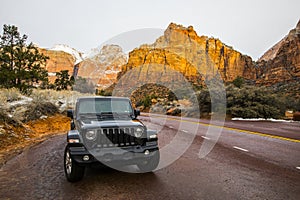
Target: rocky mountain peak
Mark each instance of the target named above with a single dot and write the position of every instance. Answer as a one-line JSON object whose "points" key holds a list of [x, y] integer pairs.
{"points": [[102, 68], [273, 51], [298, 28], [282, 62], [65, 48], [178, 27], [176, 34], [181, 54]]}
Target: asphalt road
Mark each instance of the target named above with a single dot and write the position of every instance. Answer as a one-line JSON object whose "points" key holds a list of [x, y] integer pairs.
{"points": [[249, 160]]}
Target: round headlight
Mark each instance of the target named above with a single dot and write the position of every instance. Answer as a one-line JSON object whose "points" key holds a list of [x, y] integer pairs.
{"points": [[91, 135], [138, 132]]}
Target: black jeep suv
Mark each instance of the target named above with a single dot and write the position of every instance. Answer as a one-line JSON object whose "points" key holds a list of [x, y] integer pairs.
{"points": [[106, 130]]}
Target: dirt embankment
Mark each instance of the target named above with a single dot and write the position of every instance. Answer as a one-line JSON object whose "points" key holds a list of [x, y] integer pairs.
{"points": [[13, 140]]}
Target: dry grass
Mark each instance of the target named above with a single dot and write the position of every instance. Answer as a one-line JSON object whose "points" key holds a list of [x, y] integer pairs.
{"points": [[65, 97], [17, 109], [3, 101], [10, 95]]}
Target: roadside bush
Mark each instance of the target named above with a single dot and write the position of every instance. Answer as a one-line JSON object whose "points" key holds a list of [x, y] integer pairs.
{"points": [[49, 95], [6, 118], [146, 101], [41, 95], [104, 93], [18, 113], [204, 101], [296, 116], [214, 96], [254, 102], [37, 109], [3, 101], [3, 115], [64, 99], [10, 95]]}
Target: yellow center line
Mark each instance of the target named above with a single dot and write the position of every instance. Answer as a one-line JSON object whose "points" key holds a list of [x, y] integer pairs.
{"points": [[233, 129]]}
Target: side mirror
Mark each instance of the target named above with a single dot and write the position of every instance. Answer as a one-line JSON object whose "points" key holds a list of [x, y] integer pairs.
{"points": [[137, 113], [70, 114]]}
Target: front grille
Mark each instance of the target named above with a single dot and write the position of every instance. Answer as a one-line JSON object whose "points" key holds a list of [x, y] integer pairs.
{"points": [[114, 137]]}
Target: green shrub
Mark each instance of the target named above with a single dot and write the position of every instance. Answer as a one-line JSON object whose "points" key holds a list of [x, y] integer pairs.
{"points": [[238, 82], [105, 93], [254, 102]]}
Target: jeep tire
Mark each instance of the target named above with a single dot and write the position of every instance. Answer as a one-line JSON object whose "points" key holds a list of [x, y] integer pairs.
{"points": [[73, 171], [149, 164]]}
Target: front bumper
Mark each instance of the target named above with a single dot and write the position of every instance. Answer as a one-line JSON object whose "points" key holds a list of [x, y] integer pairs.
{"points": [[113, 155]]}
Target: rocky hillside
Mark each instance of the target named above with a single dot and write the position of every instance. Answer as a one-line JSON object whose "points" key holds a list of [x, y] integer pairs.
{"points": [[282, 62], [101, 68]]}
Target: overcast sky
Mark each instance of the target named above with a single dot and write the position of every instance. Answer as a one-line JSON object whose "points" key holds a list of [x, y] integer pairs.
{"points": [[250, 26]]}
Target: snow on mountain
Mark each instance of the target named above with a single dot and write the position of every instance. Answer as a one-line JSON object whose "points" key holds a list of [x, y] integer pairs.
{"points": [[65, 48]]}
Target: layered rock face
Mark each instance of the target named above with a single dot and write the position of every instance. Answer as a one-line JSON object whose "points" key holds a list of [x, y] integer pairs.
{"points": [[58, 61], [282, 62], [181, 55], [103, 67], [208, 55]]}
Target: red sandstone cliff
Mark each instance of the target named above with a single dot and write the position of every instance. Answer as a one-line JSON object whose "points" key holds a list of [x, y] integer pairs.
{"points": [[181, 54], [282, 62], [58, 61]]}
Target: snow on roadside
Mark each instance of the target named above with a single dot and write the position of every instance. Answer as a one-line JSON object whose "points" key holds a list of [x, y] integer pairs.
{"points": [[24, 100], [261, 119]]}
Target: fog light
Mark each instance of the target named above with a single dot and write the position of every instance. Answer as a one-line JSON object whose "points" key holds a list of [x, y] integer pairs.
{"points": [[146, 152], [73, 140], [153, 136], [86, 158]]}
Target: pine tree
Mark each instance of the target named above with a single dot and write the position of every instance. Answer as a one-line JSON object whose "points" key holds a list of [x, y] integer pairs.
{"points": [[20, 63], [63, 80]]}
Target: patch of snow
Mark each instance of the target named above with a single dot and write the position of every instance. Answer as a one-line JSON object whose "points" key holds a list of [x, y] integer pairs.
{"points": [[261, 119], [65, 48], [43, 117], [23, 101], [112, 71], [107, 52], [93, 52]]}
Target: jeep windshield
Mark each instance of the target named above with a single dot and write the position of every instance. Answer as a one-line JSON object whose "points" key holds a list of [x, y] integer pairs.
{"points": [[104, 108]]}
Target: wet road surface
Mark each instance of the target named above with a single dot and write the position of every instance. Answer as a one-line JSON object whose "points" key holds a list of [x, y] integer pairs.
{"points": [[241, 165]]}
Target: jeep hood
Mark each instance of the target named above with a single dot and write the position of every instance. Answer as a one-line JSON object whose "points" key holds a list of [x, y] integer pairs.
{"points": [[110, 123]]}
